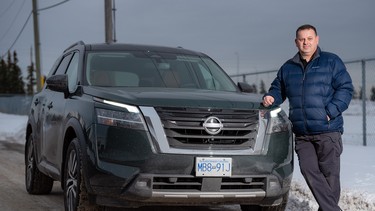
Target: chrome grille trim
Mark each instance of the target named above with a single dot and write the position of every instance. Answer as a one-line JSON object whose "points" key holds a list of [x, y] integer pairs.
{"points": [[184, 128]]}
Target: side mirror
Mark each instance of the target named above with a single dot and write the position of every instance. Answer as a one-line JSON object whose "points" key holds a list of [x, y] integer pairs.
{"points": [[245, 87], [58, 83]]}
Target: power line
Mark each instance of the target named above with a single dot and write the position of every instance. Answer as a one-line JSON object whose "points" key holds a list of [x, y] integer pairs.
{"points": [[19, 34], [57, 4], [7, 9], [6, 32], [24, 25]]}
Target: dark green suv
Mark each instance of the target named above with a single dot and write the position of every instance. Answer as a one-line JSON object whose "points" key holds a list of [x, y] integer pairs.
{"points": [[135, 125]]}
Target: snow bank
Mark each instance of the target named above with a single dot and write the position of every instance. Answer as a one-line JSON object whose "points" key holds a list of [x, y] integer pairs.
{"points": [[301, 199], [13, 128]]}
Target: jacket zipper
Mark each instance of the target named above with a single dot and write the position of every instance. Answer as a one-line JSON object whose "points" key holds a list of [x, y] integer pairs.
{"points": [[303, 96]]}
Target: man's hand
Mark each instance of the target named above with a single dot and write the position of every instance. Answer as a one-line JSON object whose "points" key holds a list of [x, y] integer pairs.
{"points": [[268, 100]]}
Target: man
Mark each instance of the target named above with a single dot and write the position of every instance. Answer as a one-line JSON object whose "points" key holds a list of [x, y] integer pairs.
{"points": [[319, 89]]}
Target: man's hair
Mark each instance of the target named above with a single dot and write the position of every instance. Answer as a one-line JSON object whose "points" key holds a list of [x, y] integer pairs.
{"points": [[304, 27]]}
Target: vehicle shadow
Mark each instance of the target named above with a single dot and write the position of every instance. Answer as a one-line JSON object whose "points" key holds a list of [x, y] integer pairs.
{"points": [[181, 208]]}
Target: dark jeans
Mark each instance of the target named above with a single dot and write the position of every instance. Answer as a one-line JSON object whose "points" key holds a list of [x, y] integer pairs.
{"points": [[319, 160]]}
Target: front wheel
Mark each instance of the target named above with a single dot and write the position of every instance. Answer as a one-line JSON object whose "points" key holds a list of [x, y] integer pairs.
{"points": [[36, 182], [75, 193]]}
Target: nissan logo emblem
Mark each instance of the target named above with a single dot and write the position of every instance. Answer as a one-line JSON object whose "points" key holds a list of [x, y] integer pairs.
{"points": [[212, 125]]}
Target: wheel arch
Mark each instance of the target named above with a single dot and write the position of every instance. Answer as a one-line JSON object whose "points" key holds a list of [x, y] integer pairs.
{"points": [[73, 129], [29, 132]]}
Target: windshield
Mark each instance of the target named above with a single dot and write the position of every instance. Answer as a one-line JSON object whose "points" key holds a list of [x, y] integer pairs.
{"points": [[138, 69]]}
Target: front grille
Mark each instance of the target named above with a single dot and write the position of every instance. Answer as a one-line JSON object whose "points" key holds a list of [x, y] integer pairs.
{"points": [[184, 128], [209, 184]]}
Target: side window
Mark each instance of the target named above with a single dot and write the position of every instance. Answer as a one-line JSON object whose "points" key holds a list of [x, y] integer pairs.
{"points": [[54, 67], [63, 65], [72, 72]]}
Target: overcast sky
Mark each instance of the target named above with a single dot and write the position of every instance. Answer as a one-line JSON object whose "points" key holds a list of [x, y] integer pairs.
{"points": [[259, 33]]}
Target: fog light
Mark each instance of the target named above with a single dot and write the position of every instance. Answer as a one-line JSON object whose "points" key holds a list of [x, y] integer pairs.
{"points": [[273, 184], [141, 184]]}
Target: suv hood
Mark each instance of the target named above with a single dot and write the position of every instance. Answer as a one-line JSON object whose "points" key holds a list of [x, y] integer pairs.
{"points": [[169, 97]]}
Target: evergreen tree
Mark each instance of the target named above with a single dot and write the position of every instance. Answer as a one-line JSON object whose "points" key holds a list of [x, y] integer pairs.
{"points": [[3, 76], [31, 81], [11, 81], [360, 95], [262, 88], [15, 76], [7, 85], [255, 89], [372, 97]]}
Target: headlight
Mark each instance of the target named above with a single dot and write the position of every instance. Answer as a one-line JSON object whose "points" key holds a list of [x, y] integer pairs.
{"points": [[277, 120], [130, 117]]}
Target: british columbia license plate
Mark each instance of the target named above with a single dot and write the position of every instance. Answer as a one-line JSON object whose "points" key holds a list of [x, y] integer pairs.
{"points": [[213, 167]]}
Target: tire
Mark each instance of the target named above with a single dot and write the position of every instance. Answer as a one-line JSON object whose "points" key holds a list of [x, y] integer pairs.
{"points": [[36, 182], [75, 192]]}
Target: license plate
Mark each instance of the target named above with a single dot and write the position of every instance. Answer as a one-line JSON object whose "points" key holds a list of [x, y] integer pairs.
{"points": [[213, 167]]}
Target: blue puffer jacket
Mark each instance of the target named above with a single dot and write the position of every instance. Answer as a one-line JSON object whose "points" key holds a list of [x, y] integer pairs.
{"points": [[323, 89]]}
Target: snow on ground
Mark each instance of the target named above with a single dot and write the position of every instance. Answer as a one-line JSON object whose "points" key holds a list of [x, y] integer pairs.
{"points": [[12, 128], [357, 162]]}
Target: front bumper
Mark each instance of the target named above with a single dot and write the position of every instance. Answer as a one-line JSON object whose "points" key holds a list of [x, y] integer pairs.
{"points": [[173, 182]]}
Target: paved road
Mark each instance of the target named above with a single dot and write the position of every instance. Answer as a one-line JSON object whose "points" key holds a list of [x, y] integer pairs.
{"points": [[13, 195]]}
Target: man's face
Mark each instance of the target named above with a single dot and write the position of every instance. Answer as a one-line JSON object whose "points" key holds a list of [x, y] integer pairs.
{"points": [[307, 43]]}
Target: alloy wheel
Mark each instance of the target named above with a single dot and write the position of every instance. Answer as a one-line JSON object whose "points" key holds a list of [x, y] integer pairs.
{"points": [[71, 183], [29, 164]]}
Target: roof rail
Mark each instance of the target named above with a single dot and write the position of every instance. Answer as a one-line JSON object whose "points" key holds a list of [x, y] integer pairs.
{"points": [[75, 44]]}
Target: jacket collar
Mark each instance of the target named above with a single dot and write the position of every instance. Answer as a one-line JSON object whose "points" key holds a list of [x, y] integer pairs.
{"points": [[297, 58]]}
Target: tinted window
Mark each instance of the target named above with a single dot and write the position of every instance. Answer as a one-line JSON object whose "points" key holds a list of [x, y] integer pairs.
{"points": [[72, 72], [138, 69], [63, 65]]}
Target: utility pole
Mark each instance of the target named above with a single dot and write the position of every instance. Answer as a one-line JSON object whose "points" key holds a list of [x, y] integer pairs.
{"points": [[37, 46], [108, 21]]}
